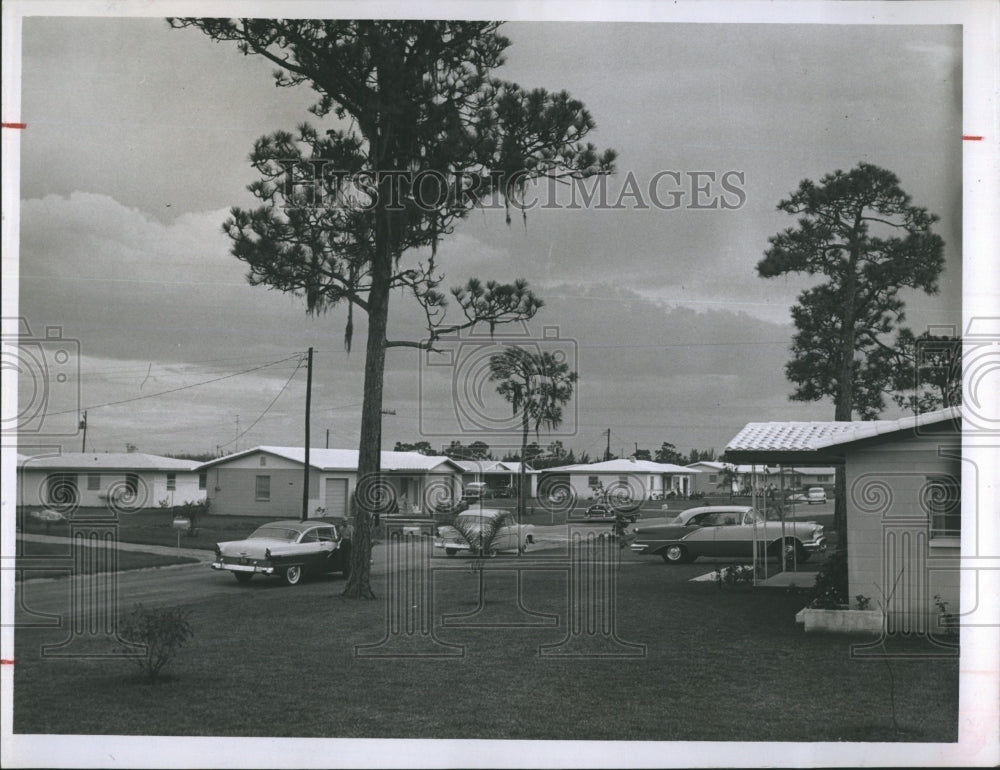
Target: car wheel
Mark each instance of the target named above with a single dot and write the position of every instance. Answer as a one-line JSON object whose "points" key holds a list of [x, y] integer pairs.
{"points": [[293, 576], [243, 577], [674, 554], [791, 551], [451, 551]]}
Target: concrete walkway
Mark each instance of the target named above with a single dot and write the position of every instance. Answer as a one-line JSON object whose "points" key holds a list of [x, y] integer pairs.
{"points": [[161, 550]]}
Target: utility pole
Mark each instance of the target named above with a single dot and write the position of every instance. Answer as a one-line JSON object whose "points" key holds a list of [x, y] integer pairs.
{"points": [[305, 467], [607, 450], [327, 438], [83, 427]]}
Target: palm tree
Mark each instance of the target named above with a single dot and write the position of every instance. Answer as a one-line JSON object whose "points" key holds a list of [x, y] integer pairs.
{"points": [[537, 384]]}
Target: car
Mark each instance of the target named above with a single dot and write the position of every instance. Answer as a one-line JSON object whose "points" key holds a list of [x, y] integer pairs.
{"points": [[289, 549], [816, 495], [728, 531], [475, 490], [484, 532], [605, 511]]}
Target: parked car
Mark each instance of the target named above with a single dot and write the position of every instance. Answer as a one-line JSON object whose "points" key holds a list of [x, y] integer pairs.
{"points": [[605, 511], [484, 532], [816, 495], [475, 490], [729, 531], [288, 549]]}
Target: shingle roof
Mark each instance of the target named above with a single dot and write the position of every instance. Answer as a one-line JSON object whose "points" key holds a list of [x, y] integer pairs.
{"points": [[812, 436], [623, 466], [137, 461], [347, 459], [492, 466]]}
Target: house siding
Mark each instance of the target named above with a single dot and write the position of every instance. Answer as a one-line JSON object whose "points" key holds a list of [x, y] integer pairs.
{"points": [[232, 491], [232, 487], [891, 557], [152, 487]]}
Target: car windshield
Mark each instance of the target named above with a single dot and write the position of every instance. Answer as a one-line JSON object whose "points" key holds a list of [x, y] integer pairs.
{"points": [[275, 533]]}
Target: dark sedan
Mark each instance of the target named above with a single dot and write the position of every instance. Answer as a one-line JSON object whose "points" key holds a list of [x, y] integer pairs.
{"points": [[288, 549], [728, 531]]}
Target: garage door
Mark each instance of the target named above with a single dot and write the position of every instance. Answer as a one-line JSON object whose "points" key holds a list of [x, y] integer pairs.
{"points": [[336, 497]]}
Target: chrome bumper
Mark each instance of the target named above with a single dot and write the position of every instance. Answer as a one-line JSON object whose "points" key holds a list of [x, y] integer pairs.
{"points": [[639, 547], [816, 546], [254, 568]]}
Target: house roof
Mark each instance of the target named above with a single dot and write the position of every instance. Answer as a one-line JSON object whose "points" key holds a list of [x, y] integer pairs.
{"points": [[800, 439], [83, 461], [493, 466], [717, 466], [347, 459], [623, 466]]}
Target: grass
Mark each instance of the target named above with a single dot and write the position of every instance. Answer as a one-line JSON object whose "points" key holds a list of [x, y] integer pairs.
{"points": [[267, 660], [155, 527], [51, 555]]}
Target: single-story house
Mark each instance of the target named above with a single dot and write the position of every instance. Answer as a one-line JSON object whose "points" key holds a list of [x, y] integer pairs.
{"points": [[645, 479], [903, 496], [498, 475], [267, 481], [125, 480], [743, 477]]}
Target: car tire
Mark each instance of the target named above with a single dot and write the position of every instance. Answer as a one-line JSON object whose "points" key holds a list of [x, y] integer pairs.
{"points": [[451, 551], [674, 554], [293, 575], [792, 552], [243, 577]]}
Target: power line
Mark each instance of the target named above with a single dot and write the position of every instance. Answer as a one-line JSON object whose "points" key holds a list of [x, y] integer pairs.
{"points": [[183, 387], [268, 408]]}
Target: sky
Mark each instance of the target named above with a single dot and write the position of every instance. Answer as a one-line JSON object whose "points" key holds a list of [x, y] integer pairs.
{"points": [[136, 148]]}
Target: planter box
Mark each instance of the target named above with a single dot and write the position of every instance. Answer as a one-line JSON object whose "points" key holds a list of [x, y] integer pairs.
{"points": [[841, 621]]}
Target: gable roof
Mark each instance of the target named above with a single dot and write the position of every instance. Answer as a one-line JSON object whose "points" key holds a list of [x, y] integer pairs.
{"points": [[83, 461], [622, 466], [801, 439], [347, 459]]}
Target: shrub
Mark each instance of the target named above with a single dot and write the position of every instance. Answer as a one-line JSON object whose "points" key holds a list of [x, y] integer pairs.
{"points": [[830, 589], [162, 630], [733, 575]]}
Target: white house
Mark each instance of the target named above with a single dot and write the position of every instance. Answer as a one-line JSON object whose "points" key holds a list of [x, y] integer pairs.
{"points": [[125, 480], [903, 496], [725, 478], [498, 475], [644, 479], [268, 481]]}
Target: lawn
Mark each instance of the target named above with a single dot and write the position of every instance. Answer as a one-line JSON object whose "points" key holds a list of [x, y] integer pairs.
{"points": [[155, 527], [51, 555], [719, 664]]}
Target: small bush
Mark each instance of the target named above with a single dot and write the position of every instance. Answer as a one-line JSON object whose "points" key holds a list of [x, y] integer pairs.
{"points": [[733, 575], [163, 631], [830, 589]]}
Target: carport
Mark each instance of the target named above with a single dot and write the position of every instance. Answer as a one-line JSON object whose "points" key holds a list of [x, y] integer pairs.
{"points": [[784, 446]]}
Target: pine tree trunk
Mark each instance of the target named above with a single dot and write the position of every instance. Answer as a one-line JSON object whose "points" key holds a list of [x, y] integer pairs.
{"points": [[370, 447]]}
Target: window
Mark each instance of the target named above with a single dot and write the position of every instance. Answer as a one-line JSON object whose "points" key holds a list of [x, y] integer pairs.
{"points": [[93, 481], [713, 478], [203, 480], [942, 499], [171, 481], [326, 535], [263, 461], [262, 493], [593, 481]]}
